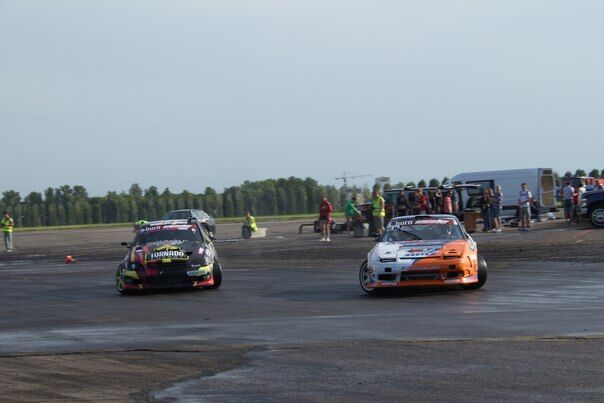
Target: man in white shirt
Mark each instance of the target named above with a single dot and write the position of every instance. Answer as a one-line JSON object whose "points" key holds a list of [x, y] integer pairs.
{"points": [[524, 208], [567, 196]]}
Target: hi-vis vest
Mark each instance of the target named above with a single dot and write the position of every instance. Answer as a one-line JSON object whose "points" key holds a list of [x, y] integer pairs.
{"points": [[377, 209], [7, 226]]}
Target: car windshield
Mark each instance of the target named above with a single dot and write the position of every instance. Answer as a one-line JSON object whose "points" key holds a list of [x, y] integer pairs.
{"points": [[168, 233], [413, 230], [177, 215]]}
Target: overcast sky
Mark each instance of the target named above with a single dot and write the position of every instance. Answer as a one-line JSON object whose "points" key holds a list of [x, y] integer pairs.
{"points": [[189, 94]]}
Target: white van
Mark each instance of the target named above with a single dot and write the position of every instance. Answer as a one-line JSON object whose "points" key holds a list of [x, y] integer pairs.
{"points": [[540, 182]]}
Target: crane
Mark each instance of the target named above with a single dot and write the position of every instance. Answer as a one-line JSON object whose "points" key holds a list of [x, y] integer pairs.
{"points": [[345, 178]]}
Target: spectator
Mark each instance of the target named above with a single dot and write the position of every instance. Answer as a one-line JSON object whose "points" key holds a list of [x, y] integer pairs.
{"points": [[496, 200], [138, 224], [413, 204], [576, 204], [568, 196], [485, 209], [7, 228], [378, 211], [437, 207], [525, 198], [249, 225], [448, 203], [422, 202], [325, 210], [351, 213], [454, 201], [402, 204]]}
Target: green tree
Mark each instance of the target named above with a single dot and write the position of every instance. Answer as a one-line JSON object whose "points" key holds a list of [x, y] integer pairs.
{"points": [[594, 173], [421, 184], [580, 172], [434, 183]]}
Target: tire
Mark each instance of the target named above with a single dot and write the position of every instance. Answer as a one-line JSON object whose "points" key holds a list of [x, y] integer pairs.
{"points": [[596, 216], [364, 277], [217, 274], [119, 283], [482, 275]]}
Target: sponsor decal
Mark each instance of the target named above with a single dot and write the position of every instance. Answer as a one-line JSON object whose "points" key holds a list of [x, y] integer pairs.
{"points": [[388, 283], [427, 221], [417, 252], [453, 281], [166, 252]]}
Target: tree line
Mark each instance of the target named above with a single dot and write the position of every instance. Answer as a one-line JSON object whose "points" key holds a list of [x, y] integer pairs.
{"points": [[71, 205]]}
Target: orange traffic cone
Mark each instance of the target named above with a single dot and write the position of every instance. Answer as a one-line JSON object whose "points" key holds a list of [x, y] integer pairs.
{"points": [[70, 259]]}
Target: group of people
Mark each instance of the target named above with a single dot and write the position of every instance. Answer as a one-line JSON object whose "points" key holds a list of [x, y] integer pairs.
{"points": [[571, 197], [435, 202], [490, 208]]}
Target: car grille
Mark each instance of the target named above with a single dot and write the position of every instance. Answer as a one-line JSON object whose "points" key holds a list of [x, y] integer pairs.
{"points": [[174, 266], [386, 277], [431, 275], [169, 275]]}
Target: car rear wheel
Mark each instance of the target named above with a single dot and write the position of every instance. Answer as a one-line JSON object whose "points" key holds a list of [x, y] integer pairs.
{"points": [[217, 274], [482, 275], [365, 278]]}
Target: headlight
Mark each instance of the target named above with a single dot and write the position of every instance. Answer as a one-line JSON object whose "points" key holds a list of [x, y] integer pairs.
{"points": [[202, 261]]}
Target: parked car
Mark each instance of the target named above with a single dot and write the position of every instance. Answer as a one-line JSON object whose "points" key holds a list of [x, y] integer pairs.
{"points": [[592, 207], [200, 215]]}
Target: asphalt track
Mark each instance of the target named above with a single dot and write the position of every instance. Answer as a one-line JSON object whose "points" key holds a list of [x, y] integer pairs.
{"points": [[291, 323]]}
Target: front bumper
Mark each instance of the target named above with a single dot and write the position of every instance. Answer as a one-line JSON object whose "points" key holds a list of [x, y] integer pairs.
{"points": [[158, 278], [424, 272]]}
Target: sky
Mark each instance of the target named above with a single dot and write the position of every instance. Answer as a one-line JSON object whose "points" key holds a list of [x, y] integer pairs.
{"points": [[189, 94]]}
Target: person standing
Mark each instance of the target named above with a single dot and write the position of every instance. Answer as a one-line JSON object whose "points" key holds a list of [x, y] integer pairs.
{"points": [[7, 228], [432, 206], [485, 208], [402, 204], [325, 210], [378, 211], [496, 200], [525, 197], [413, 206], [438, 200], [249, 225], [448, 203], [567, 196], [422, 202], [351, 212]]}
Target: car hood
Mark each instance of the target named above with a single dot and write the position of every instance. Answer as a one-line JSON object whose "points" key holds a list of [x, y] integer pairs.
{"points": [[419, 249]]}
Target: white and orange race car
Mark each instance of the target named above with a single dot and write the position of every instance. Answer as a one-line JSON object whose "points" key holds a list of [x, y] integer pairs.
{"points": [[423, 250]]}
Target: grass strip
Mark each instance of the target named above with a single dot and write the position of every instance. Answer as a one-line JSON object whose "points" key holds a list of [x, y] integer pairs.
{"points": [[222, 220]]}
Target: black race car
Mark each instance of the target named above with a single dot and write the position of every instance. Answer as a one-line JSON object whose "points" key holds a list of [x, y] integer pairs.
{"points": [[167, 254], [187, 214]]}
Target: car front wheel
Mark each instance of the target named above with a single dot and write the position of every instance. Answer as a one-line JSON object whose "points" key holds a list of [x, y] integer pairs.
{"points": [[365, 278], [482, 275], [119, 281], [217, 274], [596, 216]]}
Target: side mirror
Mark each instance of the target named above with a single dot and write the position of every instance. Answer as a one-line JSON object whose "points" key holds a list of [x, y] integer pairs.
{"points": [[126, 244]]}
